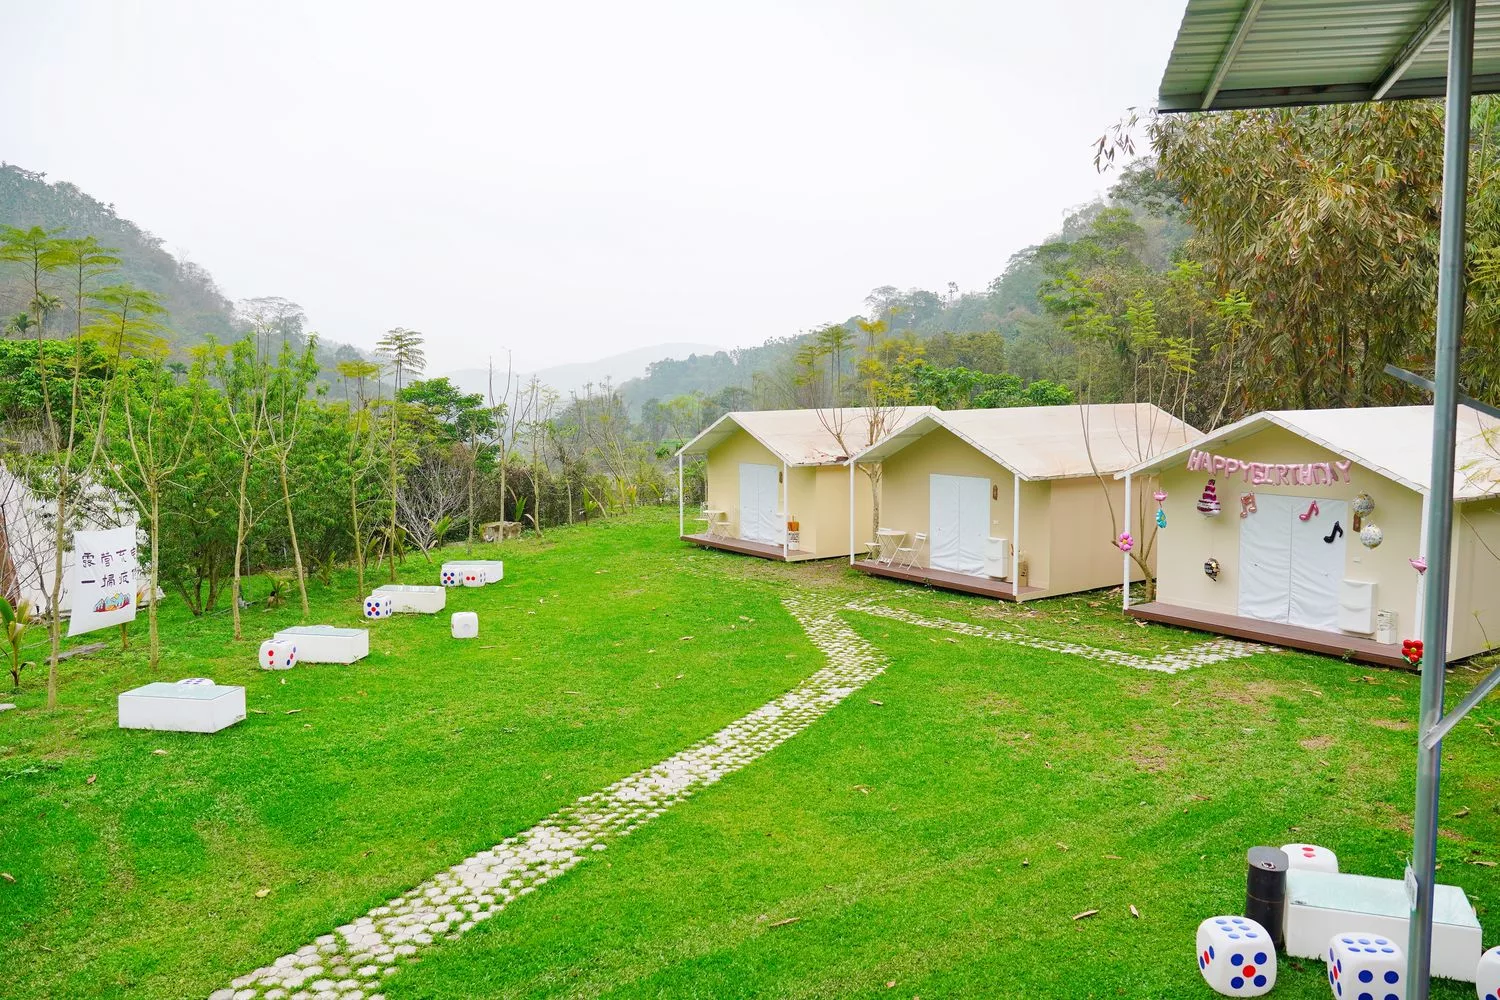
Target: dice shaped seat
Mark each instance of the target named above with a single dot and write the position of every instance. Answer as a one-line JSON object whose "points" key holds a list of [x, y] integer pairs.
{"points": [[1311, 857], [452, 576], [465, 625], [1487, 977], [278, 654], [1236, 956], [378, 606], [473, 576], [1364, 966]]}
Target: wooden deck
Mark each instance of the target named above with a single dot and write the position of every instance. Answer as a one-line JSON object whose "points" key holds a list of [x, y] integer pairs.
{"points": [[1313, 640], [748, 548], [947, 580]]}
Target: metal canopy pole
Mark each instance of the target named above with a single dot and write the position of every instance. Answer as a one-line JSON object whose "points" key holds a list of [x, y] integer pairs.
{"points": [[851, 512], [1125, 556], [1439, 526], [681, 515]]}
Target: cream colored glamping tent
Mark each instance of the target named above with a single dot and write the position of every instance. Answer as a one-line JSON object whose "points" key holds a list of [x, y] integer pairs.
{"points": [[764, 465], [1011, 503], [1304, 528]]}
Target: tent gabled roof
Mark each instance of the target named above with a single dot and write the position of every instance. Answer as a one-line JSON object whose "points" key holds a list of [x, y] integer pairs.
{"points": [[1049, 442], [803, 437], [1394, 441]]}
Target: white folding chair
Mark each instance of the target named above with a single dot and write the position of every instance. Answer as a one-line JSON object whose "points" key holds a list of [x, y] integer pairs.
{"points": [[872, 551], [911, 555]]}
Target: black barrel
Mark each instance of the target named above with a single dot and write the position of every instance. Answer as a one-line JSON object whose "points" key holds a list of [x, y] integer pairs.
{"points": [[1265, 890]]}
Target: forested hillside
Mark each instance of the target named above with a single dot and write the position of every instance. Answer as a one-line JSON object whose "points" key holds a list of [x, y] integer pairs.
{"points": [[1021, 336], [195, 308]]}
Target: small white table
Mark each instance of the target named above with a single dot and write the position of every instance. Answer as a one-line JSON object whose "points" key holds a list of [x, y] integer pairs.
{"points": [[182, 708], [493, 569], [717, 521], [890, 540], [326, 644], [408, 599]]}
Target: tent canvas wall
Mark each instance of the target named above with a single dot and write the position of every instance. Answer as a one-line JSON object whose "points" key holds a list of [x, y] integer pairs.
{"points": [[1285, 564], [764, 465], [1025, 496]]}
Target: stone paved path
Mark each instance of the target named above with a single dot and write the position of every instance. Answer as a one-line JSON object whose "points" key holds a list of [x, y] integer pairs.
{"points": [[352, 962], [1197, 655]]}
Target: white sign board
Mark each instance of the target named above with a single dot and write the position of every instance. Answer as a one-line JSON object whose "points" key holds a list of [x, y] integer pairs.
{"points": [[104, 579]]}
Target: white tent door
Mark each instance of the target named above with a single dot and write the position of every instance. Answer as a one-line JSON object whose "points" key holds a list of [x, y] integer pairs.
{"points": [[959, 523], [1288, 573], [759, 493], [1318, 566]]}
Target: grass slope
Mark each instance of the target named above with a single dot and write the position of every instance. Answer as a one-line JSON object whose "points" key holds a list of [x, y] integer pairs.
{"points": [[941, 840]]}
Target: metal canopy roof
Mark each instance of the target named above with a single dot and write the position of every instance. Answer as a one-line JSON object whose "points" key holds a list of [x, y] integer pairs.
{"points": [[1270, 53]]}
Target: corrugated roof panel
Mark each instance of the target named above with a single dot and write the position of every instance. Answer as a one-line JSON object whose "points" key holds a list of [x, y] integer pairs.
{"points": [[1316, 52]]}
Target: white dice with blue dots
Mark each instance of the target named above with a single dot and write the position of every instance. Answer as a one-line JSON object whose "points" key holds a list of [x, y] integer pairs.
{"points": [[1236, 956], [378, 606], [1487, 976], [1363, 966]]}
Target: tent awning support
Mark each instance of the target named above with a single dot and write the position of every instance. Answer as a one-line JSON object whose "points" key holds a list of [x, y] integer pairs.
{"points": [[1450, 318], [1425, 33], [1421, 383]]}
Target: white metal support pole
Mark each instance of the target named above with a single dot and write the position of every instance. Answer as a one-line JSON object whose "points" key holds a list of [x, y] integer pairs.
{"points": [[786, 509], [1125, 556], [1439, 522], [851, 512], [1015, 536], [681, 514], [1416, 625]]}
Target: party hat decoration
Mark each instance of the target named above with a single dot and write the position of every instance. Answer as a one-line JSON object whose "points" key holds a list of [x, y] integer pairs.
{"points": [[1208, 503]]}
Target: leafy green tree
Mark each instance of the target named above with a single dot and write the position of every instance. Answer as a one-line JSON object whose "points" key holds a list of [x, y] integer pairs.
{"points": [[153, 430], [402, 349]]}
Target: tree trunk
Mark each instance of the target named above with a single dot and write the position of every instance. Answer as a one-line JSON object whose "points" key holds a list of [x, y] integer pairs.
{"points": [[473, 461], [359, 542], [391, 542], [54, 625], [291, 527], [153, 642], [239, 547]]}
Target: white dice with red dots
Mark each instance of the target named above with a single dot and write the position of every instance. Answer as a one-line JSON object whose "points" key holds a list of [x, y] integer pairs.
{"points": [[1487, 977], [1364, 966], [473, 577], [1310, 856], [278, 654], [378, 606], [452, 577], [465, 625], [1236, 956]]}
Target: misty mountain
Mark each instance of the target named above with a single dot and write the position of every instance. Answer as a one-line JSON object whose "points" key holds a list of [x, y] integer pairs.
{"points": [[572, 377], [196, 308]]}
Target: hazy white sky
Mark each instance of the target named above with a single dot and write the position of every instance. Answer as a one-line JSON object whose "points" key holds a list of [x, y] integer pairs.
{"points": [[574, 179]]}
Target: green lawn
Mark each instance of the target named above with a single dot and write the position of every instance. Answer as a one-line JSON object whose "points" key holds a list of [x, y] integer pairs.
{"points": [[917, 841]]}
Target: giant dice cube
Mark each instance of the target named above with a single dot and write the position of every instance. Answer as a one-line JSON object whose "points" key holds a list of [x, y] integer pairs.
{"points": [[378, 606], [473, 577], [1311, 857], [1364, 966], [1236, 956], [278, 654], [465, 625], [1487, 978], [452, 577]]}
